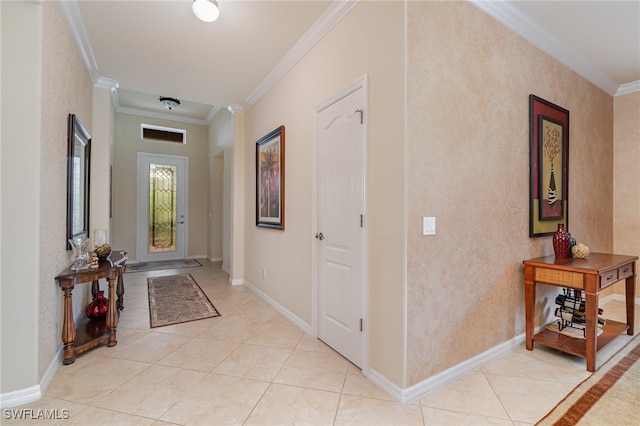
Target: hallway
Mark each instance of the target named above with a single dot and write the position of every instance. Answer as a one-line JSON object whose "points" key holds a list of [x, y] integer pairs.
{"points": [[252, 366]]}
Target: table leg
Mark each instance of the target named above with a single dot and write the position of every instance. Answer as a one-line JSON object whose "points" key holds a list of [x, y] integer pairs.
{"points": [[120, 288], [112, 317], [68, 327], [591, 316], [630, 296], [95, 288], [529, 305]]}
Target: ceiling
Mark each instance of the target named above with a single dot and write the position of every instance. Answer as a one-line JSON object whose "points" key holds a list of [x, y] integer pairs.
{"points": [[152, 48]]}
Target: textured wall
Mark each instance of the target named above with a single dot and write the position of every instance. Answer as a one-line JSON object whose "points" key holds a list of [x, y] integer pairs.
{"points": [[626, 178], [66, 88], [469, 79]]}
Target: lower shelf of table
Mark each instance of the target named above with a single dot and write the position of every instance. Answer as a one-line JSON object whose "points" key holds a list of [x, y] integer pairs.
{"points": [[577, 347], [90, 334]]}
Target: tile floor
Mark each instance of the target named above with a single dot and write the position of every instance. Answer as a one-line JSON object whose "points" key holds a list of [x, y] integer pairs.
{"points": [[252, 366]]}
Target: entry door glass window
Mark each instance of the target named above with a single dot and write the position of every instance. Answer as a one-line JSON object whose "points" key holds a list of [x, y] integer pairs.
{"points": [[162, 208]]}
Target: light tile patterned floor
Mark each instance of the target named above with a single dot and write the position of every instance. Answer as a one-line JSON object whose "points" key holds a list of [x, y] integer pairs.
{"points": [[252, 366]]}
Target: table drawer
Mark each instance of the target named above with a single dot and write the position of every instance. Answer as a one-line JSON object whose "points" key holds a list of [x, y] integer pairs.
{"points": [[625, 271], [608, 278]]}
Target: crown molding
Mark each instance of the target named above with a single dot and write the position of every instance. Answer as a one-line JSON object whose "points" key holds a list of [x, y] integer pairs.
{"points": [[72, 14], [512, 18], [320, 28], [233, 108], [632, 87]]}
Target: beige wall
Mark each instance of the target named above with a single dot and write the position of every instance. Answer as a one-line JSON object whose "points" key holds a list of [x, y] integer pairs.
{"points": [[127, 144], [44, 80], [626, 178], [469, 79], [368, 40]]}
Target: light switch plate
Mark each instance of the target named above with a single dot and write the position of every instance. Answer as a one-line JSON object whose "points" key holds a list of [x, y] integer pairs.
{"points": [[428, 226]]}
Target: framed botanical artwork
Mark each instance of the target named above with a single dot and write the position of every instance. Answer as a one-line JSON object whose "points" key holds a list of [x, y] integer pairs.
{"points": [[548, 167], [270, 180]]}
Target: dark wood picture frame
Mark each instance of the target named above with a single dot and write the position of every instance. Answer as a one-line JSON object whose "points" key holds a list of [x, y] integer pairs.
{"points": [[78, 174], [270, 180], [548, 167]]}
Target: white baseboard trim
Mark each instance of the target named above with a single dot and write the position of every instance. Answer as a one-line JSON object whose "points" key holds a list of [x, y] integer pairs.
{"points": [[32, 393], [215, 259], [412, 393], [282, 310], [237, 281]]}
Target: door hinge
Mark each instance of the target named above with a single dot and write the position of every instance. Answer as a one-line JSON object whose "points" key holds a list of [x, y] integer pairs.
{"points": [[361, 325], [361, 221], [361, 115]]}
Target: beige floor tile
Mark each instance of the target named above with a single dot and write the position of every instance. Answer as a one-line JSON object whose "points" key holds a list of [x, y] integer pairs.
{"points": [[358, 385], [45, 411], [288, 405], [277, 335], [150, 348], [152, 392], [527, 400], [471, 394], [217, 400], [253, 362], [199, 354], [437, 417], [356, 410], [232, 328], [317, 370], [100, 417], [88, 383]]}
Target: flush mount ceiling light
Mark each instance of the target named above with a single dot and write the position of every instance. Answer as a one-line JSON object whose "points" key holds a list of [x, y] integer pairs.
{"points": [[169, 103], [206, 10]]}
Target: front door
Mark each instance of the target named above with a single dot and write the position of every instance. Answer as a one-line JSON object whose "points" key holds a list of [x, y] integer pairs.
{"points": [[340, 224], [161, 207]]}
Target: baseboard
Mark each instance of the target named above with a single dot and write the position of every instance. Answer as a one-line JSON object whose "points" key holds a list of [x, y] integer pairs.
{"points": [[412, 393], [282, 310], [33, 393], [215, 259], [237, 281]]}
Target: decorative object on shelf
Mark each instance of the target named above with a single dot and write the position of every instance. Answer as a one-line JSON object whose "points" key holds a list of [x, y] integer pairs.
{"points": [[96, 328], [80, 253], [561, 242], [95, 261], [572, 242], [580, 251], [548, 166], [97, 309], [100, 237], [103, 251]]}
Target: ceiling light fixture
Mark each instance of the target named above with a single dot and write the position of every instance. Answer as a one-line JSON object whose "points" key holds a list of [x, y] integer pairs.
{"points": [[169, 103], [206, 10]]}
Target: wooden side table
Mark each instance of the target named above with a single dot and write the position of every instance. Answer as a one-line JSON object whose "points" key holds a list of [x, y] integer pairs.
{"points": [[75, 344], [592, 275]]}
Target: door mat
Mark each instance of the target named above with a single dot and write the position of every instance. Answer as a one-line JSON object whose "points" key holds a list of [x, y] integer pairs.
{"points": [[175, 299], [162, 264]]}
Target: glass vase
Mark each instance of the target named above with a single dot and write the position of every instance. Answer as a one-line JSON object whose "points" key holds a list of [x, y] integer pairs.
{"points": [[80, 253]]}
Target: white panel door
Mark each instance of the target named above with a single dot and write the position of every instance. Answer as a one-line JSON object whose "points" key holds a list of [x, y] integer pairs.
{"points": [[162, 200], [340, 225]]}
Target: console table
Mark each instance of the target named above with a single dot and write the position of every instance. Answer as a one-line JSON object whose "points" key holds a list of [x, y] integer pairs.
{"points": [[592, 275], [103, 331]]}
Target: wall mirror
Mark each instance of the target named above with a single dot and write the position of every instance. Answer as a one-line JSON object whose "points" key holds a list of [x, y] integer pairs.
{"points": [[78, 162]]}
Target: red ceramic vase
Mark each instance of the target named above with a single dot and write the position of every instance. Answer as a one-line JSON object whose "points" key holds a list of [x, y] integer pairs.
{"points": [[561, 242], [97, 310]]}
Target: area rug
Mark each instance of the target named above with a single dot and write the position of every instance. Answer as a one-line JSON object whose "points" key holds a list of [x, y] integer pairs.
{"points": [[175, 299], [608, 397], [162, 264]]}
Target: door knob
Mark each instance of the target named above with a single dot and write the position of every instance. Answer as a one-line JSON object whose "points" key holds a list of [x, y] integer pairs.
{"points": [[320, 236]]}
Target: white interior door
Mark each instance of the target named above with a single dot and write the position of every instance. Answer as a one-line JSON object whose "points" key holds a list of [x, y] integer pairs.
{"points": [[340, 225], [162, 200]]}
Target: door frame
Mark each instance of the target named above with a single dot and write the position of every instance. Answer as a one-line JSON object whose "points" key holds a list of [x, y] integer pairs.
{"points": [[360, 83], [142, 198]]}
